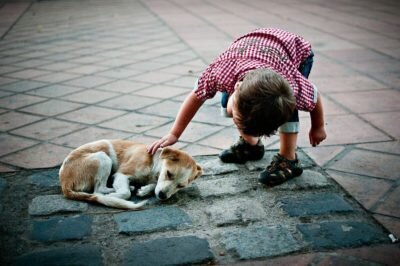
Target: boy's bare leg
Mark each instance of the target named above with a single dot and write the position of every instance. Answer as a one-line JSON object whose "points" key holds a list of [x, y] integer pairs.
{"points": [[249, 139], [288, 143]]}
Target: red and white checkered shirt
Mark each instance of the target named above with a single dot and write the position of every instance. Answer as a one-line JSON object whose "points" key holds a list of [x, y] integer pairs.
{"points": [[275, 49]]}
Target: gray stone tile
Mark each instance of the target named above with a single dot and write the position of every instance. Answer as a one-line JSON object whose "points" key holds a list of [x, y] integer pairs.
{"points": [[339, 234], [314, 204], [223, 186], [241, 211], [3, 185], [185, 250], [48, 179], [214, 166], [61, 228], [22, 86], [151, 220], [256, 242], [308, 180], [51, 204], [82, 255]]}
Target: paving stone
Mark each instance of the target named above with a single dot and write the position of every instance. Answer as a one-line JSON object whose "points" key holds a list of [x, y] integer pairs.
{"points": [[305, 161], [61, 228], [256, 242], [308, 180], [80, 255], [51, 204], [238, 212], [45, 178], [3, 185], [223, 186], [339, 234], [186, 250], [151, 220], [216, 166], [314, 204], [369, 163]]}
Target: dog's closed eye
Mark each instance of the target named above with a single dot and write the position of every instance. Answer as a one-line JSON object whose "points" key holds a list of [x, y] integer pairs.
{"points": [[180, 186], [169, 175]]}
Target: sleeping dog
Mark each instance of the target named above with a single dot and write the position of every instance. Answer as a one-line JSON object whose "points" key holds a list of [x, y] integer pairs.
{"points": [[85, 171]]}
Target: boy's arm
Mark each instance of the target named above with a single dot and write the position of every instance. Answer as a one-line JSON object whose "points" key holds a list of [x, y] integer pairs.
{"points": [[186, 113], [317, 132]]}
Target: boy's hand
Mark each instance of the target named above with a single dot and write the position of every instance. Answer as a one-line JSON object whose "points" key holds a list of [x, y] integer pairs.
{"points": [[317, 135], [165, 141]]}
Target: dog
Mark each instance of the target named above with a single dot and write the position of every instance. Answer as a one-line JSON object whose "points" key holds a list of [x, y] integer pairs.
{"points": [[85, 171]]}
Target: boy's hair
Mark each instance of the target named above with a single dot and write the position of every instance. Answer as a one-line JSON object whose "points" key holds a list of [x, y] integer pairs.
{"points": [[265, 101]]}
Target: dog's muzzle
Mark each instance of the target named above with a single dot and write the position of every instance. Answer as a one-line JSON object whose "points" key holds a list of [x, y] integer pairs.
{"points": [[161, 195]]}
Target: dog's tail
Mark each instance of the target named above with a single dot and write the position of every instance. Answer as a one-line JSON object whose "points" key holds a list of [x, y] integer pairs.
{"points": [[104, 200]]}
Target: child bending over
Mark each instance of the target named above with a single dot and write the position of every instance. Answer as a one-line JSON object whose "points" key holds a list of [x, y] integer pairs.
{"points": [[263, 80]]}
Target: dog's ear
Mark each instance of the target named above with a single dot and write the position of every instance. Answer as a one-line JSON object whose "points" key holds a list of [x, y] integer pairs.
{"points": [[199, 171], [170, 154]]}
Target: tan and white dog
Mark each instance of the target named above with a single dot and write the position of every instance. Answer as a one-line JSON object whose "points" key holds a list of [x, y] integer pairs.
{"points": [[84, 173]]}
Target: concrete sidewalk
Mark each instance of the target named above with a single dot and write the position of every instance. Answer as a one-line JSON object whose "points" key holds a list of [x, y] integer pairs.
{"points": [[76, 71]]}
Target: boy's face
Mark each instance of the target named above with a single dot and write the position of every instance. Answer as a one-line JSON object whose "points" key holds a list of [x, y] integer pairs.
{"points": [[232, 105]]}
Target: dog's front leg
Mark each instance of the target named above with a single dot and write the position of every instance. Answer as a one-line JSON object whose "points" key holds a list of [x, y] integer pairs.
{"points": [[146, 190], [121, 186]]}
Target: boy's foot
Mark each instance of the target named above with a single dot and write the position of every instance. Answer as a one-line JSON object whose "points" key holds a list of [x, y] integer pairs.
{"points": [[241, 152], [280, 170]]}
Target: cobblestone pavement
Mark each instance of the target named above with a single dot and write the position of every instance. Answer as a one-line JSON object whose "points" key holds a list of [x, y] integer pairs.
{"points": [[76, 71]]}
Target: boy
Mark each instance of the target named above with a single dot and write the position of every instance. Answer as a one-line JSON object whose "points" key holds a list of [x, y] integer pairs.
{"points": [[265, 73]]}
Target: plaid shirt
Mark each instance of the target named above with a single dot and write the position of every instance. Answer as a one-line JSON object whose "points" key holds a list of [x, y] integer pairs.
{"points": [[275, 49]]}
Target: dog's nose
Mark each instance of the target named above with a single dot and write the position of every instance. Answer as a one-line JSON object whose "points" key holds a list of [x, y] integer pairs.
{"points": [[162, 195]]}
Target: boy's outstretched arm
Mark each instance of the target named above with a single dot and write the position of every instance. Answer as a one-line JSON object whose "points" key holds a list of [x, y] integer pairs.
{"points": [[317, 132], [186, 112]]}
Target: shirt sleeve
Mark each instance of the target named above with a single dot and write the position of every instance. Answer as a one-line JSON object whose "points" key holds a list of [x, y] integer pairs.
{"points": [[206, 85], [305, 93]]}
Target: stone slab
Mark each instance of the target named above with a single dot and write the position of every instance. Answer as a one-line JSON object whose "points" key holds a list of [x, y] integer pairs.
{"points": [[87, 255], [257, 242], [315, 204], [339, 234], [308, 180], [214, 166], [151, 220], [260, 165], [185, 250], [223, 186], [3, 185], [61, 228], [239, 212], [51, 204], [47, 178]]}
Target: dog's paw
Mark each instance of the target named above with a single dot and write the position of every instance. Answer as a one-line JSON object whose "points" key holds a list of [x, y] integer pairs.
{"points": [[145, 191]]}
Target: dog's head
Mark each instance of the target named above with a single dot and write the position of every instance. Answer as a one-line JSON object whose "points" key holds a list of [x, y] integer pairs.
{"points": [[178, 171]]}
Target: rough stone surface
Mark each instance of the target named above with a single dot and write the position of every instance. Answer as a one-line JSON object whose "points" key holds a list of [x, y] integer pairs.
{"points": [[238, 212], [256, 242], [3, 185], [336, 234], [321, 203], [51, 204], [61, 228], [156, 219], [186, 250], [223, 186], [81, 255], [308, 180], [45, 179], [217, 167]]}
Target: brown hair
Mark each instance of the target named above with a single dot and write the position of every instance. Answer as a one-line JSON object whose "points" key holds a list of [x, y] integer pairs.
{"points": [[265, 101]]}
